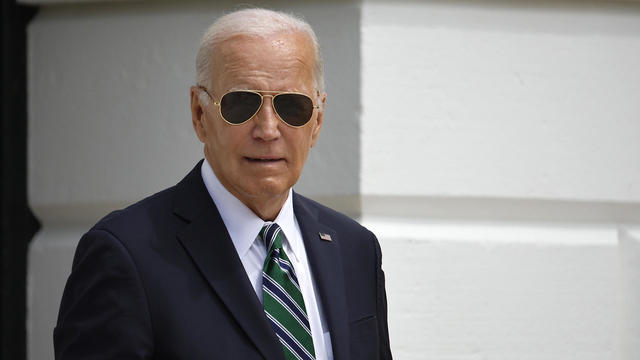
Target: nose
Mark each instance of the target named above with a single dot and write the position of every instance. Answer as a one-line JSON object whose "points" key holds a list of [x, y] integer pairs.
{"points": [[266, 121]]}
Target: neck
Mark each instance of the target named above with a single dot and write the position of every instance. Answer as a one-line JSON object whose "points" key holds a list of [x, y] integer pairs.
{"points": [[266, 210]]}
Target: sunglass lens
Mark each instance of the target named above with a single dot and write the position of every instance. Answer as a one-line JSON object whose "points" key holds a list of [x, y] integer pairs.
{"points": [[294, 109], [239, 106]]}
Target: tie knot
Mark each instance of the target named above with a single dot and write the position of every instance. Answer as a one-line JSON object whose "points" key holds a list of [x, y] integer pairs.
{"points": [[271, 235]]}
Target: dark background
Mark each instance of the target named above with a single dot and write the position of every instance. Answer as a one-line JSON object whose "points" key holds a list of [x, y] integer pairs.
{"points": [[18, 225]]}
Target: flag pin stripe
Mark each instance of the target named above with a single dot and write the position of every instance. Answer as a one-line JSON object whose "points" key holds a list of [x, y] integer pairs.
{"points": [[325, 237]]}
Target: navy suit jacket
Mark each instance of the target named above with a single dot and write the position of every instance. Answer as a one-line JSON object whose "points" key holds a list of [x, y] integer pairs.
{"points": [[161, 279]]}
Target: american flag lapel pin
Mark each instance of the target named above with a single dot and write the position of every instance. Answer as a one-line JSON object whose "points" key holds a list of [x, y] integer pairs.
{"points": [[325, 237]]}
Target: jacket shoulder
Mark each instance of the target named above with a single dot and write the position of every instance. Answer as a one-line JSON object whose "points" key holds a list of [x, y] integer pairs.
{"points": [[144, 213], [158, 209]]}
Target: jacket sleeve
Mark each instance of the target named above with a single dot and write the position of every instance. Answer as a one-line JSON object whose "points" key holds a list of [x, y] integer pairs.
{"points": [[381, 305], [104, 311]]}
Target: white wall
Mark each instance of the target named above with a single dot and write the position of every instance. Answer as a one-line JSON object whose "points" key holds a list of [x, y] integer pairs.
{"points": [[490, 145], [500, 155], [501, 100]]}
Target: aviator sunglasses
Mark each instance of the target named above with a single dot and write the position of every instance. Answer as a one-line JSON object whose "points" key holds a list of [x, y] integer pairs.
{"points": [[239, 106]]}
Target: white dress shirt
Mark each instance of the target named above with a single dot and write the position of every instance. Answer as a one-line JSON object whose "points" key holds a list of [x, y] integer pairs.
{"points": [[244, 226]]}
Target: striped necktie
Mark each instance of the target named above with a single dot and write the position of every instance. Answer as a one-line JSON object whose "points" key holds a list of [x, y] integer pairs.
{"points": [[283, 302]]}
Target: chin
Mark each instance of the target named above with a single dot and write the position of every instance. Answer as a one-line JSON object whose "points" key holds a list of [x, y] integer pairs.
{"points": [[272, 188]]}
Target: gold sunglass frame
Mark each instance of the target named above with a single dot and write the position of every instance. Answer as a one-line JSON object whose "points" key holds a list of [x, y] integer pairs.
{"points": [[262, 93]]}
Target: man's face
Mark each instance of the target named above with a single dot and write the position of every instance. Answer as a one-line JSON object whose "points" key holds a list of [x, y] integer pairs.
{"points": [[259, 160]]}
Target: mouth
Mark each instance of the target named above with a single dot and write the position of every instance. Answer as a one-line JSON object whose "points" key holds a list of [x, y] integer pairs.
{"points": [[263, 160]]}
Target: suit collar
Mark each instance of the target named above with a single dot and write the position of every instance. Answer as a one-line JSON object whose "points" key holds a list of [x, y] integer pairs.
{"points": [[326, 265], [207, 241], [189, 201]]}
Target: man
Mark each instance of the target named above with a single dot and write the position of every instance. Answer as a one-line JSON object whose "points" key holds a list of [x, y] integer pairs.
{"points": [[230, 263]]}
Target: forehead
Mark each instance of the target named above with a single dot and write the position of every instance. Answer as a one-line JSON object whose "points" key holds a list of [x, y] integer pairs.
{"points": [[276, 62]]}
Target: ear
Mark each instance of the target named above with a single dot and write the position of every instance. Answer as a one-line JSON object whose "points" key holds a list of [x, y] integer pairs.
{"points": [[197, 114], [319, 119]]}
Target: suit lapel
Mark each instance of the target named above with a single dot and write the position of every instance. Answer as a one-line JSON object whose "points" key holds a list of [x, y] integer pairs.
{"points": [[208, 243], [326, 266]]}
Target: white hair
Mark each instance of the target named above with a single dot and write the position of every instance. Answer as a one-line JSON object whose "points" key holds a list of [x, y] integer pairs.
{"points": [[253, 22]]}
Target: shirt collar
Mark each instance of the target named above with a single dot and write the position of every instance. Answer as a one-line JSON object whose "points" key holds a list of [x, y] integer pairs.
{"points": [[243, 225], [287, 221]]}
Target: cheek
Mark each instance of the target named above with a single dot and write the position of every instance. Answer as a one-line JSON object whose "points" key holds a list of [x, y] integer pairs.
{"points": [[302, 150], [228, 141], [215, 142]]}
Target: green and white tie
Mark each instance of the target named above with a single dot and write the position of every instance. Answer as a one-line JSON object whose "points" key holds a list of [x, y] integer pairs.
{"points": [[283, 302]]}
